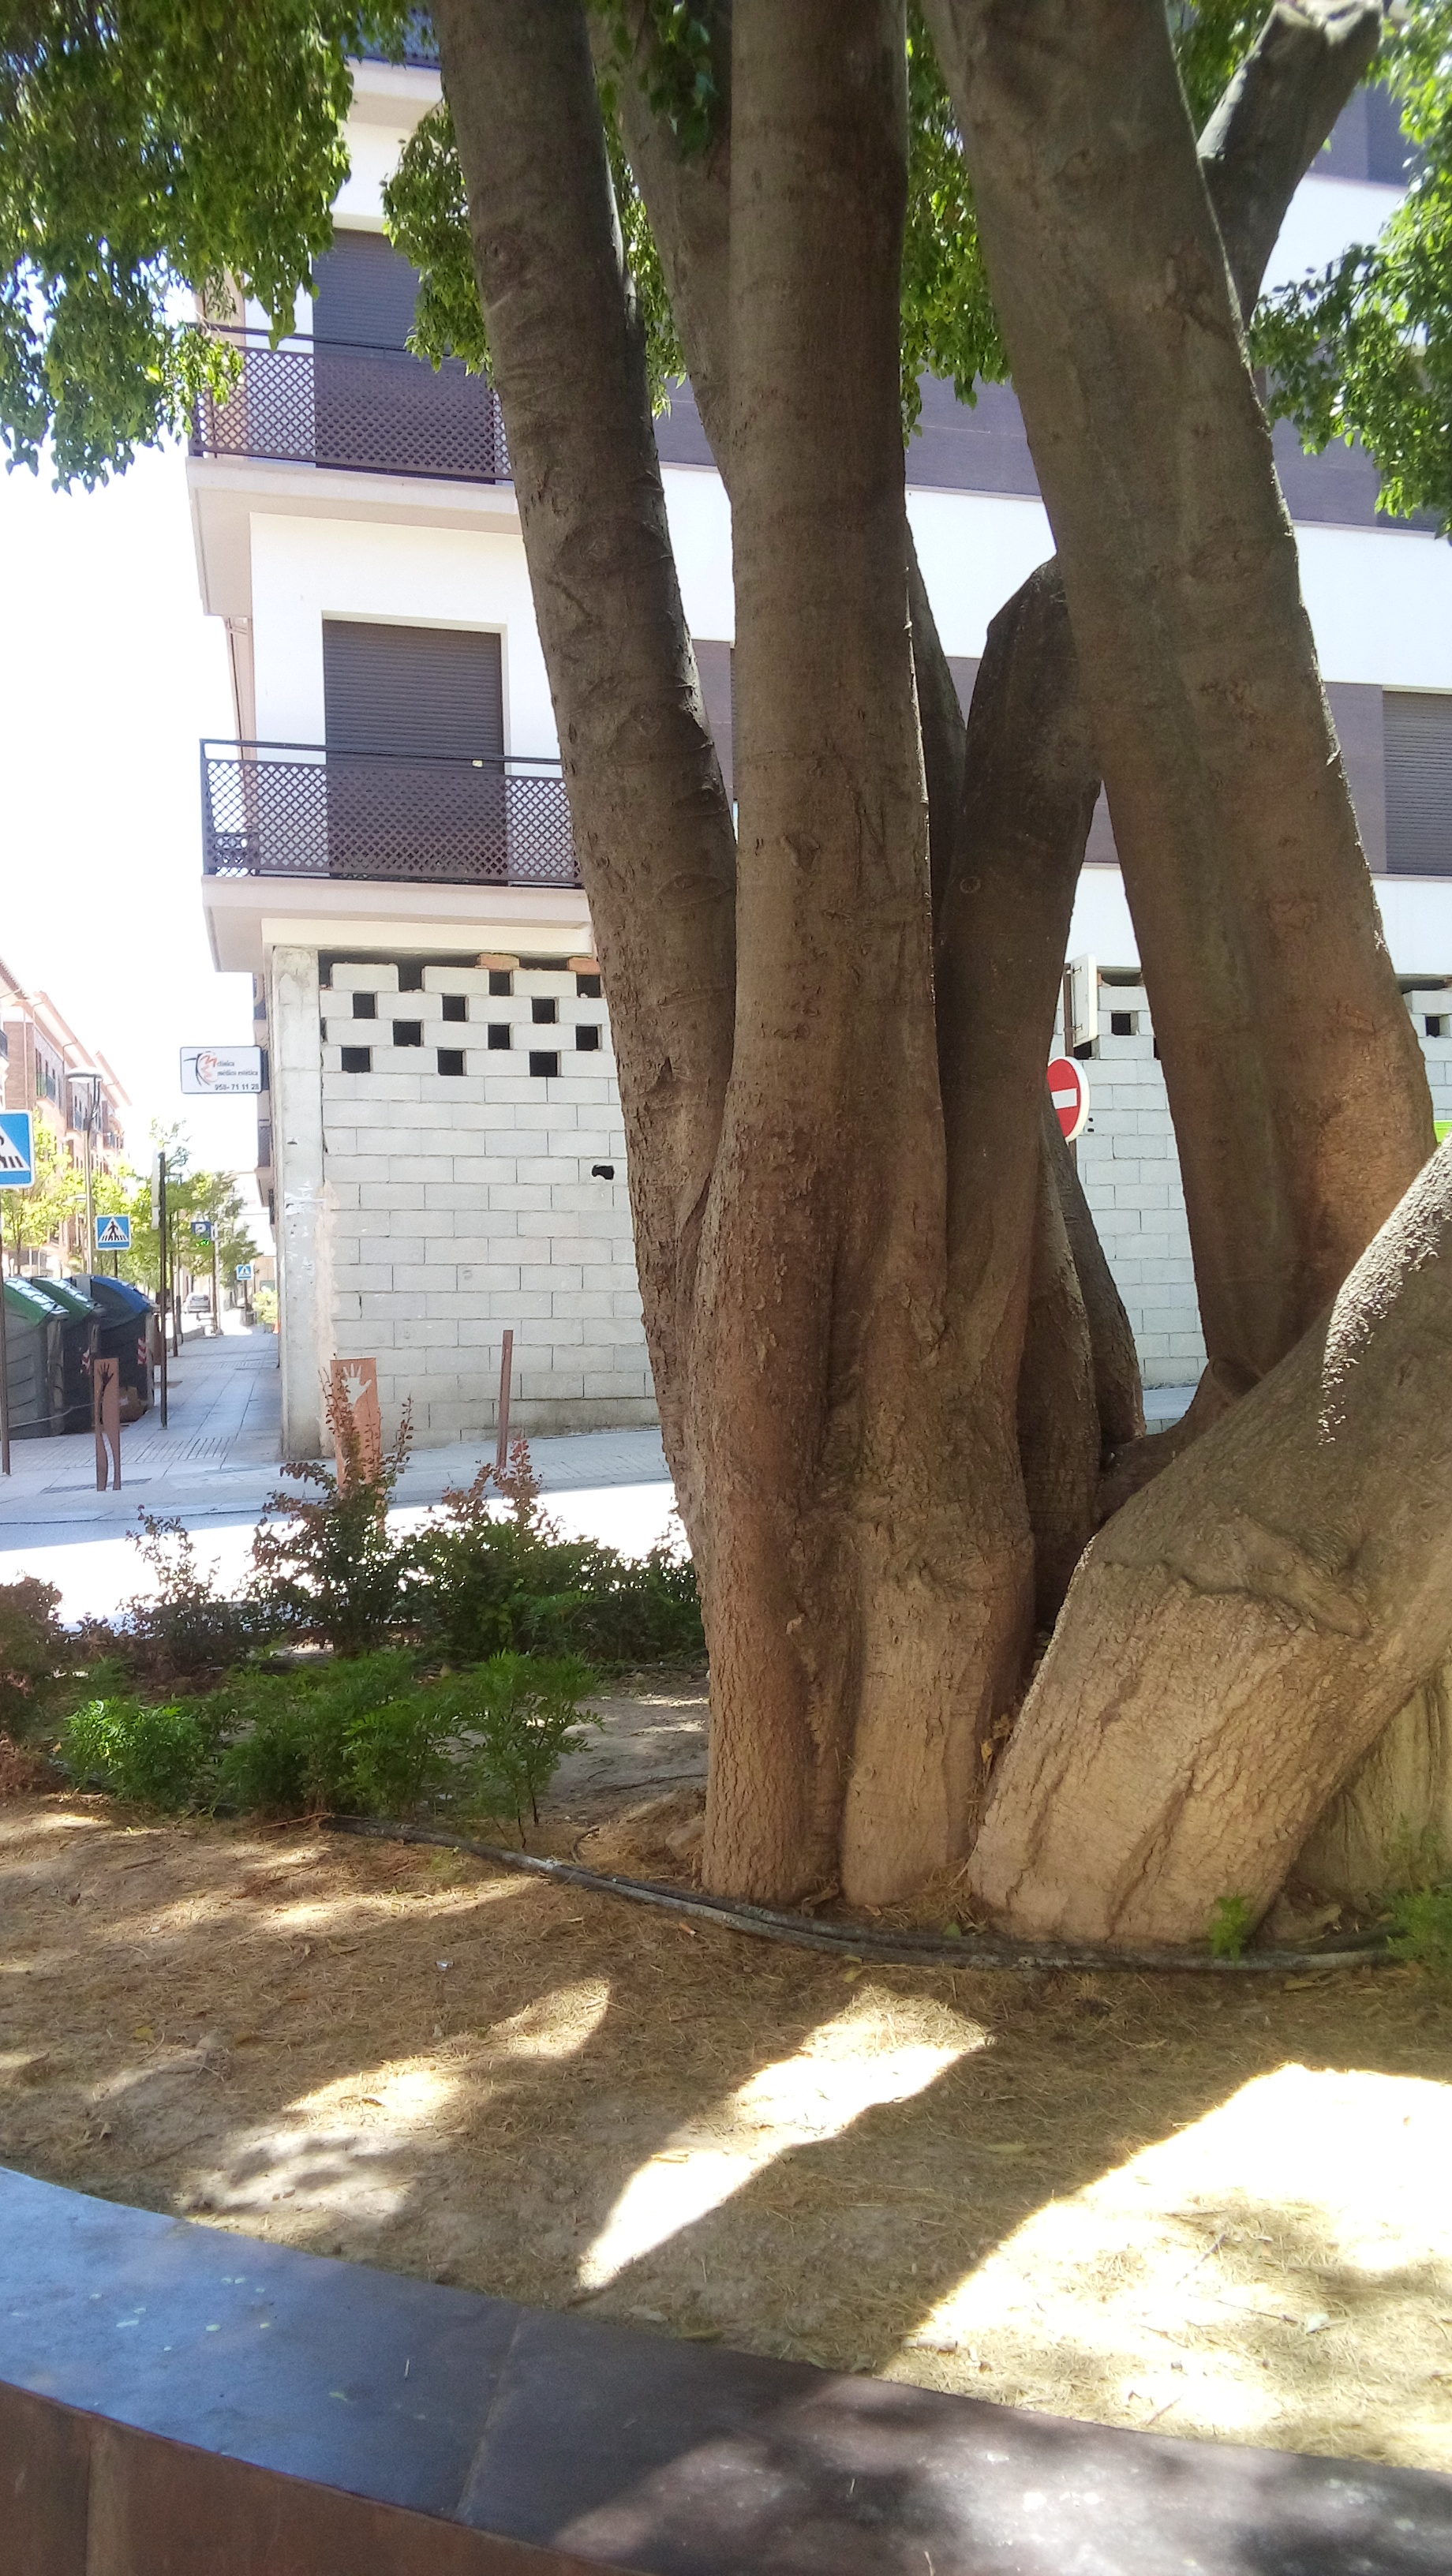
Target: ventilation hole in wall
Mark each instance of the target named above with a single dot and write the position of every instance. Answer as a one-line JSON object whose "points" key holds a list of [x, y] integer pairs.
{"points": [[1157, 1050], [501, 982], [587, 988], [357, 1059], [1121, 1024], [544, 1011], [408, 1033], [451, 1059], [365, 1006], [587, 1036], [602, 1171], [542, 965], [410, 979], [456, 1006], [498, 1034], [539, 1062], [1434, 1026]]}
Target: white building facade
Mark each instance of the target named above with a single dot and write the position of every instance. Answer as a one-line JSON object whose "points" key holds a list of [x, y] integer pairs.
{"points": [[388, 853]]}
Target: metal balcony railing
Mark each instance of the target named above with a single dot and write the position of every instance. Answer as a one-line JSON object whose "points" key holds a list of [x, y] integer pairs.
{"points": [[359, 410], [282, 809]]}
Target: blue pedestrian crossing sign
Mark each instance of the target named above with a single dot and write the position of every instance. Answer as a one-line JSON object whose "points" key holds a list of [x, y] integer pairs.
{"points": [[113, 1234], [17, 1150]]}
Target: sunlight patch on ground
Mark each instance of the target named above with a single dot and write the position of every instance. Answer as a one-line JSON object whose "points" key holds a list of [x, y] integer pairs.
{"points": [[1239, 2280], [882, 2048], [331, 2154], [557, 2024]]}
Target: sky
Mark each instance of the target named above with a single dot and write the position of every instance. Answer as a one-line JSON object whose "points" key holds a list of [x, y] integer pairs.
{"points": [[109, 675]]}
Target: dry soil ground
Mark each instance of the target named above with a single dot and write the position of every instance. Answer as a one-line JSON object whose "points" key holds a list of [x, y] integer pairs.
{"points": [[1220, 2207]]}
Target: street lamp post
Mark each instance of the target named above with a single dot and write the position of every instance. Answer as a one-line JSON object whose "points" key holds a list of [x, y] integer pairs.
{"points": [[89, 1082]]}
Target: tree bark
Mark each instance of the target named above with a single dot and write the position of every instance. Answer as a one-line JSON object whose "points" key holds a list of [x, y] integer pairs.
{"points": [[688, 198], [1391, 1826], [1273, 119], [652, 825], [1237, 1637], [866, 1620], [1059, 1440], [1295, 1081]]}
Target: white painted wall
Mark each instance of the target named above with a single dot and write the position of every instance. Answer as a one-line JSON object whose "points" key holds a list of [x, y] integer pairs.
{"points": [[462, 1203], [1324, 218], [304, 570]]}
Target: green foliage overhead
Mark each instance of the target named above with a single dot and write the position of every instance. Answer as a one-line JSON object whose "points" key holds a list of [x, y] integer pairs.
{"points": [[150, 150], [1364, 350], [158, 155]]}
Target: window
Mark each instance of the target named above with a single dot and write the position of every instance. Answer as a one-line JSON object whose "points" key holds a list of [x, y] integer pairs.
{"points": [[357, 1059], [451, 1059], [587, 1036], [408, 1033], [498, 1035], [426, 689], [544, 1011], [456, 1006], [365, 1006], [1417, 734], [501, 982], [543, 1064], [364, 293]]}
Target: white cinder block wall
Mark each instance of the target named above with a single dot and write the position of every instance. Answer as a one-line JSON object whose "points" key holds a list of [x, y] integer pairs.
{"points": [[459, 1203], [1131, 1174]]}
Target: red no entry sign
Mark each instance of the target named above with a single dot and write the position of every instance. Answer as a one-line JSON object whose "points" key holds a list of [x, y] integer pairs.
{"points": [[1069, 1092]]}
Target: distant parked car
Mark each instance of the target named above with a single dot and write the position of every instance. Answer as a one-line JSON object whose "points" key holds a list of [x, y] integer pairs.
{"points": [[199, 1303]]}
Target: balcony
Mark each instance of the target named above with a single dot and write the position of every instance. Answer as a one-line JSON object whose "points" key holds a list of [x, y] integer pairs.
{"points": [[358, 410], [279, 809]]}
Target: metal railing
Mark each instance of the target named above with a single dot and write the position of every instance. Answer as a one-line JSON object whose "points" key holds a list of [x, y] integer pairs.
{"points": [[286, 809], [359, 410]]}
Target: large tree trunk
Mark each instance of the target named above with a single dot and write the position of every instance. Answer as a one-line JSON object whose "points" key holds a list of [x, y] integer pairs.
{"points": [[865, 1626], [652, 824], [1237, 1637], [1295, 1081], [1391, 1826]]}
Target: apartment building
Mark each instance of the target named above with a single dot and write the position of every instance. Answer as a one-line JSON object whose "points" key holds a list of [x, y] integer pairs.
{"points": [[66, 1086], [387, 845]]}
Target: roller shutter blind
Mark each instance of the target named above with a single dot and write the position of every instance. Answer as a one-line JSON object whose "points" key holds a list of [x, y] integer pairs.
{"points": [[1417, 727], [364, 293], [412, 688]]}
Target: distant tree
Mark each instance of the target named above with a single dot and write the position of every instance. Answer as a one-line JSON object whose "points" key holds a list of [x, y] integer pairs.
{"points": [[33, 1220]]}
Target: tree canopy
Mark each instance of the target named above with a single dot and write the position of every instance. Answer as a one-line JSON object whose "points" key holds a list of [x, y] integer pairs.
{"points": [[156, 152], [897, 1390]]}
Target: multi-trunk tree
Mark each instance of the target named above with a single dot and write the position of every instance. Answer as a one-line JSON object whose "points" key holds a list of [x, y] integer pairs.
{"points": [[897, 1388]]}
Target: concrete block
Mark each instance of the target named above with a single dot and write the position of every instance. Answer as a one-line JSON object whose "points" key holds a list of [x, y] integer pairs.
{"points": [[394, 1306], [433, 1332], [525, 1197]]}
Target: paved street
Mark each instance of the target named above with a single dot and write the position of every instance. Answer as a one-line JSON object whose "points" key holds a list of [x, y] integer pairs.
{"points": [[219, 1458]]}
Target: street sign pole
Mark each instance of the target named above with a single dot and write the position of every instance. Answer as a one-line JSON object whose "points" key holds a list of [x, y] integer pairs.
{"points": [[4, 1377], [161, 1270], [17, 1172]]}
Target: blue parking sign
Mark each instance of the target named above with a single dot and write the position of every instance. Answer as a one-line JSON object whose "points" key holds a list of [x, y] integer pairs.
{"points": [[17, 1150]]}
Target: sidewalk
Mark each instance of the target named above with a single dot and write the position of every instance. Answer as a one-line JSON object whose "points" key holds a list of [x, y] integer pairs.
{"points": [[219, 1458]]}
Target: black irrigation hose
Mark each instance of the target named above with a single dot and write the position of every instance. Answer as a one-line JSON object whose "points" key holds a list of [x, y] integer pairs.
{"points": [[798, 1931]]}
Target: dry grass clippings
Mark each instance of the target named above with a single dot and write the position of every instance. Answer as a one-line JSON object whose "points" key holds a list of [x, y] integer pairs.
{"points": [[1216, 2207]]}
